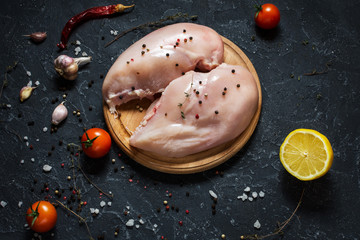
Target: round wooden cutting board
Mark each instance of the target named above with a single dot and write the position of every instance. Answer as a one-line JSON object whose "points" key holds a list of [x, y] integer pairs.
{"points": [[121, 128]]}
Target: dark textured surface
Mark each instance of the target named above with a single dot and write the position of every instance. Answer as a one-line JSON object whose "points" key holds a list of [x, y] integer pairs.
{"points": [[310, 34]]}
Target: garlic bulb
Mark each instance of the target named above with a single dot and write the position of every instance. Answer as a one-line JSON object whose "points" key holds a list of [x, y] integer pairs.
{"points": [[67, 67], [59, 114]]}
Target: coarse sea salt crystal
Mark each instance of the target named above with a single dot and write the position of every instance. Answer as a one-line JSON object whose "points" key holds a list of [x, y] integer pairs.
{"points": [[96, 211], [45, 129], [78, 42], [20, 204], [141, 221], [3, 203], [28, 73], [130, 223], [26, 138], [257, 224], [109, 204], [22, 161], [37, 83], [247, 189], [84, 54], [250, 199], [32, 159], [254, 194], [102, 203], [92, 210], [212, 194], [261, 194], [47, 168]]}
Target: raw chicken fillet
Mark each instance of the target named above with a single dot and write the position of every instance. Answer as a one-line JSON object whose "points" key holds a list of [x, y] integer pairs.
{"points": [[199, 111], [151, 63]]}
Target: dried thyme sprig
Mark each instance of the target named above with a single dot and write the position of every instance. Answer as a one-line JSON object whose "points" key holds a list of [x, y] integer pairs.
{"points": [[9, 69], [155, 24], [315, 72]]}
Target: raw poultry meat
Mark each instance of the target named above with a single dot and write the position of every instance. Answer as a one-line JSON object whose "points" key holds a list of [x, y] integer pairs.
{"points": [[151, 63], [199, 111]]}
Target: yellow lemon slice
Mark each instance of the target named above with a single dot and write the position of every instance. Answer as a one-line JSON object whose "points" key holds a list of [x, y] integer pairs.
{"points": [[306, 154]]}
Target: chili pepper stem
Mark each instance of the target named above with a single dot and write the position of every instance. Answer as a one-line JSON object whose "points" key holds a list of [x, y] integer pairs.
{"points": [[121, 8]]}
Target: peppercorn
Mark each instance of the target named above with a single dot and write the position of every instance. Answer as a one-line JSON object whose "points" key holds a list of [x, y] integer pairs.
{"points": [[238, 85], [142, 52], [200, 102], [167, 54], [233, 71], [132, 88], [190, 38], [197, 92], [184, 31], [216, 112], [144, 45]]}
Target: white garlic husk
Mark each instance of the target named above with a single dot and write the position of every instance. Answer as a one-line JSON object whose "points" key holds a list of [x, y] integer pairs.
{"points": [[68, 67], [59, 114]]}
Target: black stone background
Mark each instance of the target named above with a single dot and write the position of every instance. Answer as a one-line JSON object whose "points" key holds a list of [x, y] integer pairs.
{"points": [[310, 34]]}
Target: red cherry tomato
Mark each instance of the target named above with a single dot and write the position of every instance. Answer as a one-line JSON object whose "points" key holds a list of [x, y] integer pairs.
{"points": [[96, 142], [41, 216], [267, 16]]}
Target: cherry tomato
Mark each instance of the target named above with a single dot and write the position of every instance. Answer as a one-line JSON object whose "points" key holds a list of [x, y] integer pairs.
{"points": [[41, 216], [267, 16], [96, 142]]}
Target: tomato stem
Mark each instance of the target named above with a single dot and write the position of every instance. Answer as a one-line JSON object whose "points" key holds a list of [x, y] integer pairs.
{"points": [[89, 142], [258, 9], [34, 214]]}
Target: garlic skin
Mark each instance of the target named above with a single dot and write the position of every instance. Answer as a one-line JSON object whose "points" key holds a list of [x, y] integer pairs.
{"points": [[68, 67], [59, 114]]}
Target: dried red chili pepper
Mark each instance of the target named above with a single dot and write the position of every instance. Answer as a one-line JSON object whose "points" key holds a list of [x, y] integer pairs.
{"points": [[91, 13]]}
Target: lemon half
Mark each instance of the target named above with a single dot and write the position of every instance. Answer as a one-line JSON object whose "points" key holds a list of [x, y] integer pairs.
{"points": [[306, 154]]}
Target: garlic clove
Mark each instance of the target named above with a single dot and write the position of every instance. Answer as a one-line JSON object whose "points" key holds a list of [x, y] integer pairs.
{"points": [[25, 93], [37, 37], [59, 114], [68, 67]]}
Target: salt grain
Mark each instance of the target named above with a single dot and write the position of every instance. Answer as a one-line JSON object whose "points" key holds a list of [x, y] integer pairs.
{"points": [[32, 159], [261, 194], [141, 221], [212, 194], [45, 129], [130, 223], [3, 204], [92, 210], [20, 204], [250, 199], [102, 203], [78, 42], [28, 73], [84, 54], [22, 161], [26, 138], [257, 224], [47, 168], [37, 83], [254, 194], [96, 211], [247, 189], [109, 204]]}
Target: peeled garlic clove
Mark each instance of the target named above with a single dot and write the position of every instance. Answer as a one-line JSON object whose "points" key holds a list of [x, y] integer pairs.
{"points": [[25, 93], [67, 67], [59, 114]]}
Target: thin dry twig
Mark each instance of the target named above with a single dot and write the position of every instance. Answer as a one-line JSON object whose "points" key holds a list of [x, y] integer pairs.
{"points": [[77, 151], [83, 220], [315, 72], [153, 24], [281, 226]]}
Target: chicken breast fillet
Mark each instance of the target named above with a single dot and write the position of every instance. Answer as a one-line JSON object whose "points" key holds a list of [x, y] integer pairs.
{"points": [[199, 111], [151, 63]]}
